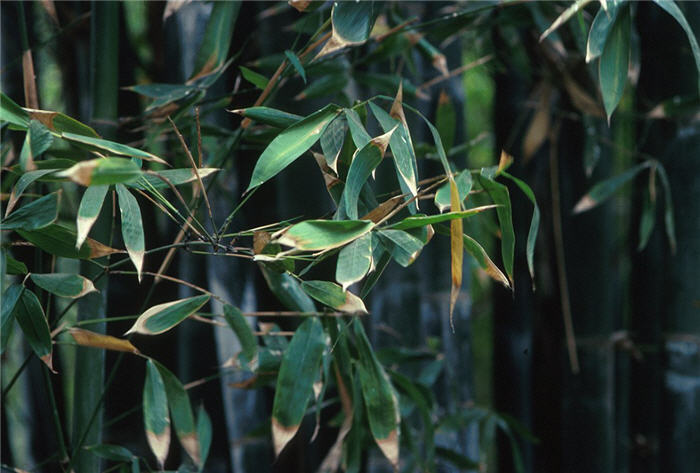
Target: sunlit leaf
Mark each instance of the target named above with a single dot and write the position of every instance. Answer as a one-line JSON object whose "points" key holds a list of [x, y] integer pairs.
{"points": [[87, 338], [102, 171], [290, 144], [464, 186], [132, 227], [672, 9], [500, 196], [88, 211], [313, 235], [8, 303], [64, 284], [354, 261], [534, 224], [404, 247], [169, 177], [162, 317], [112, 147], [334, 296], [294, 383], [30, 317], [269, 116], [36, 215], [12, 113], [249, 345], [257, 79], [214, 48], [605, 189], [60, 241], [156, 420], [614, 62]]}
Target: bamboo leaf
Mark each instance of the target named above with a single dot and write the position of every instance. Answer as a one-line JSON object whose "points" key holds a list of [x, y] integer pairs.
{"points": [[297, 373], [500, 196], [8, 303], [14, 266], [334, 296], [204, 433], [332, 141], [60, 241], [380, 400], [217, 38], [112, 147], [614, 62], [416, 221], [87, 338], [287, 290], [257, 79], [365, 160], [294, 61], [564, 17], [603, 190], [88, 211], [534, 224], [600, 29], [464, 186], [404, 246], [102, 171], [249, 345], [354, 261], [59, 122], [290, 144], [482, 258], [668, 209], [111, 452], [132, 227], [162, 317], [34, 216], [269, 116], [538, 129], [456, 250], [156, 420], [37, 140], [64, 284], [352, 23], [175, 177], [30, 317], [313, 235], [180, 413], [21, 185], [12, 113]]}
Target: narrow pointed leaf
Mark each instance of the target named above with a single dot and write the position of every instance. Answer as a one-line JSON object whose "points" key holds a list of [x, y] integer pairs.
{"points": [[464, 186], [416, 221], [30, 317], [668, 207], [111, 452], [314, 235], [600, 29], [14, 266], [564, 17], [294, 61], [60, 241], [21, 185], [334, 296], [132, 227], [290, 144], [352, 24], [87, 338], [156, 420], [456, 250], [111, 147], [204, 433], [37, 140], [605, 189], [614, 62], [404, 246], [257, 79], [11, 112], [297, 373], [534, 224], [102, 171], [354, 261], [332, 141], [175, 177], [672, 9], [379, 398], [217, 38], [269, 116], [646, 221], [88, 211], [249, 345], [34, 216], [287, 290], [357, 129], [64, 284], [482, 258], [8, 303], [59, 123], [162, 317], [500, 196]]}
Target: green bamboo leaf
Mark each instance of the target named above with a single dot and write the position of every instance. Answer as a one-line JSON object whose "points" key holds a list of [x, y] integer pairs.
{"points": [[574, 8], [672, 9], [534, 224], [614, 62], [88, 211], [416, 221], [111, 452], [379, 398], [102, 171], [334, 296], [668, 209], [21, 185], [217, 38], [181, 413], [603, 190], [255, 78], [357, 129], [156, 420], [332, 141], [482, 258], [290, 144], [297, 373], [8, 303], [64, 284], [404, 246], [60, 241], [464, 186], [269, 116], [287, 290], [37, 140], [354, 261], [162, 317], [249, 345], [34, 216], [171, 92], [313, 235], [500, 196], [646, 221], [436, 139], [58, 122], [352, 24], [132, 227], [600, 28], [14, 266], [167, 177], [294, 61], [12, 113], [30, 317], [204, 433], [112, 147]]}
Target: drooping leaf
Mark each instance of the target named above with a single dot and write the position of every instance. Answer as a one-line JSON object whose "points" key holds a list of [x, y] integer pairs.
{"points": [[464, 186], [290, 144], [64, 284], [269, 116], [352, 23], [156, 420], [354, 261], [600, 28], [379, 398], [87, 338], [30, 317], [334, 296], [668, 209], [313, 235], [456, 249], [416, 221], [88, 211], [500, 196], [132, 227], [102, 171], [534, 224], [357, 129], [60, 241], [404, 247], [204, 433], [111, 147], [646, 220], [12, 113], [297, 373], [217, 37], [603, 190], [162, 317], [34, 216], [294, 61], [59, 123], [482, 258], [332, 141], [255, 78], [37, 140], [21, 185], [614, 62], [249, 345], [365, 160], [8, 302]]}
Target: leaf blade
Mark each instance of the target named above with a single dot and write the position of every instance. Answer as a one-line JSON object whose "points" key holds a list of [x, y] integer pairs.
{"points": [[163, 317]]}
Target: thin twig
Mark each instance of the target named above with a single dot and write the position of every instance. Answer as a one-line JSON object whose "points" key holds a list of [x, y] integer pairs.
{"points": [[456, 72], [292, 313], [175, 280]]}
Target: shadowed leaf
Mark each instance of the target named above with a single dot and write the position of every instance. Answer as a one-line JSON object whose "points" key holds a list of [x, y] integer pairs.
{"points": [[404, 247], [162, 317], [60, 241], [37, 140], [258, 80], [500, 196], [21, 185], [354, 261], [334, 296], [204, 433], [156, 420], [415, 221], [600, 28], [603, 190], [175, 177], [111, 452], [34, 216], [464, 186], [269, 116], [30, 317], [614, 62], [564, 17], [8, 302], [294, 61], [217, 38], [534, 224], [249, 345]]}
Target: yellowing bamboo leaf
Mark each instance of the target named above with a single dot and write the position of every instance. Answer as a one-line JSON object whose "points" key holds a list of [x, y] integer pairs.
{"points": [[456, 249], [162, 317], [539, 125], [87, 338]]}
